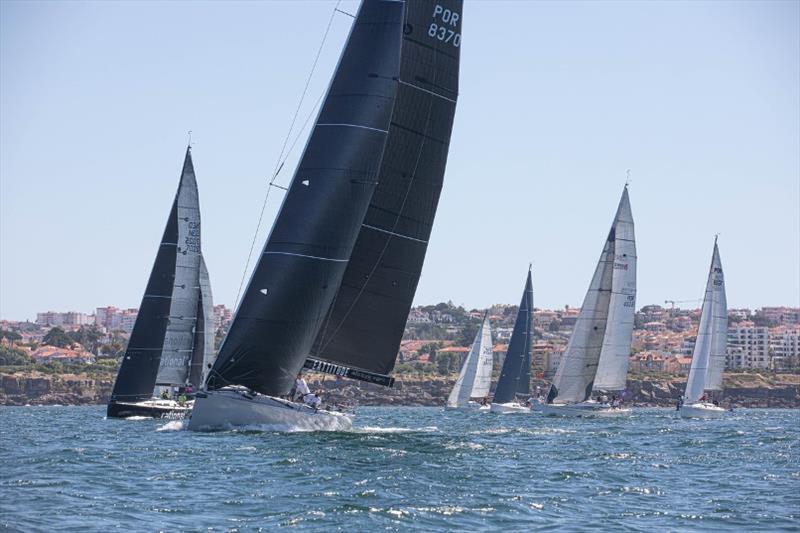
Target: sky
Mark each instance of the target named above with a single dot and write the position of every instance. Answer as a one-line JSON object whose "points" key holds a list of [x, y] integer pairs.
{"points": [[558, 100]]}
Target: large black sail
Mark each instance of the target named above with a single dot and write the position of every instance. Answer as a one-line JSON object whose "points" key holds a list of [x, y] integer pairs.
{"points": [[367, 319], [305, 256], [137, 374], [515, 377]]}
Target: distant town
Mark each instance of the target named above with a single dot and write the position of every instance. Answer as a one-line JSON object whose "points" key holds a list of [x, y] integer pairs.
{"points": [[438, 337]]}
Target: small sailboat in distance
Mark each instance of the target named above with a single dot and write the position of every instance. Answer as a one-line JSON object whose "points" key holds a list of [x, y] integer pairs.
{"points": [[333, 287], [596, 358], [515, 376], [475, 377], [172, 340], [708, 357]]}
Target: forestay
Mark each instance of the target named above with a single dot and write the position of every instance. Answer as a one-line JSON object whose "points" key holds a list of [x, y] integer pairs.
{"points": [[708, 357], [515, 376], [612, 368], [303, 261], [365, 324], [476, 373]]}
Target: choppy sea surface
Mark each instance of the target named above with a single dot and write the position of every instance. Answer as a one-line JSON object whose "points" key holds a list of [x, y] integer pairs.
{"points": [[402, 469]]}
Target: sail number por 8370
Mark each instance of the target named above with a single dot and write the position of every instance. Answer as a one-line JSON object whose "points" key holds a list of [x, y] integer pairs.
{"points": [[440, 28]]}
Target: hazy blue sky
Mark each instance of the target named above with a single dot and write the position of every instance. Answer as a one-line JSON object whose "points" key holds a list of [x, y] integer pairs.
{"points": [[701, 100]]}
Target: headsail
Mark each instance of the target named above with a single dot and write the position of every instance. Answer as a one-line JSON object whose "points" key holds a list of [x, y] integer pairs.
{"points": [[472, 381], [576, 372], [612, 368], [368, 316], [168, 291], [708, 357], [515, 376], [305, 256]]}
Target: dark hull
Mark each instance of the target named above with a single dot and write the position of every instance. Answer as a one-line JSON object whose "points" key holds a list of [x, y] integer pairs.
{"points": [[146, 409]]}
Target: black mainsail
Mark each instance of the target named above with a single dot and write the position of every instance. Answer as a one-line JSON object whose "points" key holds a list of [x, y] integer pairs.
{"points": [[305, 256], [365, 324], [167, 312], [515, 377]]}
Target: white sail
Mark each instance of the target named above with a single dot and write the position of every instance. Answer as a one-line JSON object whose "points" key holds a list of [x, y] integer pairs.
{"points": [[483, 376], [708, 358], [179, 339], [612, 369], [474, 366]]}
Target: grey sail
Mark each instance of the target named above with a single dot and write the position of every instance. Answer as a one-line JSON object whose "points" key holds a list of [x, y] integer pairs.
{"points": [[601, 327], [179, 337], [304, 259], [515, 375], [472, 382], [612, 368], [708, 357], [140, 365], [365, 324], [203, 349]]}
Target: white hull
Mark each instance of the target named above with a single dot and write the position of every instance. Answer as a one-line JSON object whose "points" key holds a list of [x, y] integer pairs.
{"points": [[584, 410], [508, 408], [701, 410], [229, 408], [471, 405]]}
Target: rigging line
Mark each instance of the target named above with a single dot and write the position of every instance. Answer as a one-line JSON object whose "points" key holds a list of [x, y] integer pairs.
{"points": [[389, 239], [279, 164]]}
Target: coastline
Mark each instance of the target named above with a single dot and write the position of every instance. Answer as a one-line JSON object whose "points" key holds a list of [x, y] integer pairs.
{"points": [[743, 389]]}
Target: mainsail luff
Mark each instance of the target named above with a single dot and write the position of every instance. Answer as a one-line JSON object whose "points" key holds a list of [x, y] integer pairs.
{"points": [[515, 376], [137, 374], [366, 322], [574, 378], [310, 244], [612, 367], [467, 385], [703, 370]]}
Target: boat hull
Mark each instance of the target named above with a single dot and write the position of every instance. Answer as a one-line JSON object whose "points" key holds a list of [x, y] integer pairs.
{"points": [[701, 410], [225, 409], [509, 408], [149, 409], [584, 410], [472, 406]]}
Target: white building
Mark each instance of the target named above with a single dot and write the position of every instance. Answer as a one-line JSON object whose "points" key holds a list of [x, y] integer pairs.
{"points": [[785, 349], [748, 347]]}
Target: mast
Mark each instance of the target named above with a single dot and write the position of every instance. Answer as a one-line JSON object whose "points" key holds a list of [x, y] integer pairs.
{"points": [[365, 324], [169, 300], [305, 256], [708, 357], [475, 364], [515, 376], [612, 368]]}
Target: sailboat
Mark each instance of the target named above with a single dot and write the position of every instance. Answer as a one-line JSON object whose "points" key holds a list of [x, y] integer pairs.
{"points": [[475, 377], [172, 340], [708, 357], [333, 287], [515, 376], [596, 357]]}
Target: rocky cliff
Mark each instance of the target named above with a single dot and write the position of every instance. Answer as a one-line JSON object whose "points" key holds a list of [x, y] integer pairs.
{"points": [[745, 390]]}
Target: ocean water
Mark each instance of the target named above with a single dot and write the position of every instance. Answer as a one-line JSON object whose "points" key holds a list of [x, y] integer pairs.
{"points": [[402, 469]]}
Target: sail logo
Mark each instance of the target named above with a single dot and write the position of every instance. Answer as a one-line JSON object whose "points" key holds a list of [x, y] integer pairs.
{"points": [[445, 22], [620, 266], [630, 301], [192, 240]]}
